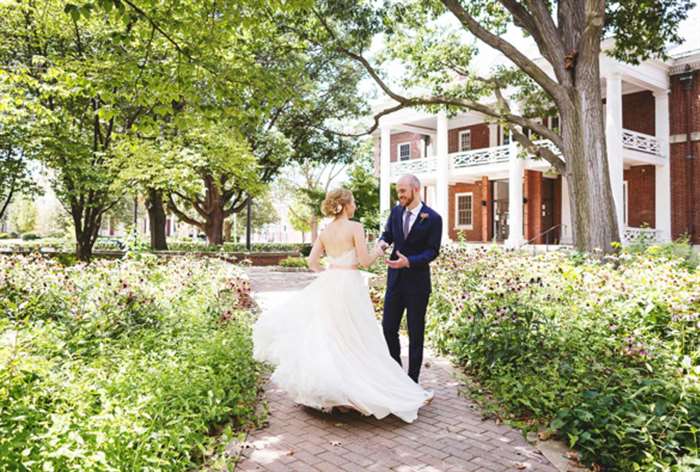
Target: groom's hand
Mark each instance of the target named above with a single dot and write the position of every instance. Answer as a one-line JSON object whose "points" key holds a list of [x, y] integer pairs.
{"points": [[400, 263]]}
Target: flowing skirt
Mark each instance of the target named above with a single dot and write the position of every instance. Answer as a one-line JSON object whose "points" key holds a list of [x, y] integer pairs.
{"points": [[329, 350]]}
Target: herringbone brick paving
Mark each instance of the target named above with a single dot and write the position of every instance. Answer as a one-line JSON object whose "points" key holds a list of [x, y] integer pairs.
{"points": [[449, 434]]}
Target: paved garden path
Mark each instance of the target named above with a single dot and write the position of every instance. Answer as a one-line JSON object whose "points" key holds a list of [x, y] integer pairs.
{"points": [[449, 434]]}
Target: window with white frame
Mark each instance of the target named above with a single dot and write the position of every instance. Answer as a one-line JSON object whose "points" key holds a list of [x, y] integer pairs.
{"points": [[625, 200], [465, 140], [464, 210], [505, 136], [404, 151], [554, 123]]}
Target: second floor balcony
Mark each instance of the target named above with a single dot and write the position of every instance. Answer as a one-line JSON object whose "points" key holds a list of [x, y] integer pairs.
{"points": [[639, 148]]}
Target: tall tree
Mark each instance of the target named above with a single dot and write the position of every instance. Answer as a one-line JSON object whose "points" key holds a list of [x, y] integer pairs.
{"points": [[568, 34], [15, 149], [87, 81], [365, 187], [293, 87]]}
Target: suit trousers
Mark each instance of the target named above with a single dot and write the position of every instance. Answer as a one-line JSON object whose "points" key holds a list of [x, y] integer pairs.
{"points": [[396, 301]]}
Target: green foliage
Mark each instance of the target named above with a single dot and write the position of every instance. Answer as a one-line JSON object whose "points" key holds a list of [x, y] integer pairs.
{"points": [[263, 213], [24, 215], [15, 150], [30, 237], [365, 188], [296, 262], [121, 365], [643, 29], [606, 354]]}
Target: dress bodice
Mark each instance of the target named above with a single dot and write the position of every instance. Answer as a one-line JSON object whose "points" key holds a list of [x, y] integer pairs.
{"points": [[348, 258]]}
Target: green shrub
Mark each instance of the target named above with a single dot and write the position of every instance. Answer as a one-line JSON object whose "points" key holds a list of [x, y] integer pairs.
{"points": [[30, 236], [4, 236], [299, 262], [121, 365], [606, 354], [200, 246]]}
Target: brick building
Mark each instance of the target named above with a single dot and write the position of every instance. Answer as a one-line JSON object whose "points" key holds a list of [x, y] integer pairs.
{"points": [[467, 165]]}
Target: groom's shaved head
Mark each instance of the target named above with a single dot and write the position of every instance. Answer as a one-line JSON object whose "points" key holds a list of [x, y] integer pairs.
{"points": [[408, 190], [411, 180]]}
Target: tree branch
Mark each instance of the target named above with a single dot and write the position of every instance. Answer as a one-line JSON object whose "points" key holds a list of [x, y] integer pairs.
{"points": [[525, 142], [551, 87], [172, 206], [538, 22], [9, 197]]}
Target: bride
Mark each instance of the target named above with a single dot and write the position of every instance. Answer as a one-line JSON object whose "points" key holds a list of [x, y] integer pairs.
{"points": [[326, 345]]}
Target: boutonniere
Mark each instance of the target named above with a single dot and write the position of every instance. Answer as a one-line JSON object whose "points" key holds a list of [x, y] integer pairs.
{"points": [[423, 216]]}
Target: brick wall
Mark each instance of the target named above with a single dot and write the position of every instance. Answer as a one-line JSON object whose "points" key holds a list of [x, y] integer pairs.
{"points": [[685, 176], [683, 211], [638, 112], [641, 197], [399, 138], [480, 137], [474, 234]]}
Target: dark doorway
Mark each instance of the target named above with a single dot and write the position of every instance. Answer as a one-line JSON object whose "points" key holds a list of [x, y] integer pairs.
{"points": [[547, 209], [499, 190]]}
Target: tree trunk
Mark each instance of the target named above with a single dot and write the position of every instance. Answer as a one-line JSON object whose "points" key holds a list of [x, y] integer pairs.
{"points": [[6, 204], [228, 226], [214, 226], [86, 229], [157, 219], [314, 228], [83, 248], [214, 212], [595, 225]]}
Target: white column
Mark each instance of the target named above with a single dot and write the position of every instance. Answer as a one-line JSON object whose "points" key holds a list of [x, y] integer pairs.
{"points": [[567, 236], [493, 134], [430, 200], [384, 173], [443, 168], [516, 166], [663, 172], [613, 138]]}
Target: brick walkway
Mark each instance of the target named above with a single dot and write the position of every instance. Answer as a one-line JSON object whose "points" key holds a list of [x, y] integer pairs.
{"points": [[449, 434]]}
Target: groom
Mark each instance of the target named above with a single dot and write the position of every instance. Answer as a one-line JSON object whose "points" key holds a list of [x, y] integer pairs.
{"points": [[415, 231]]}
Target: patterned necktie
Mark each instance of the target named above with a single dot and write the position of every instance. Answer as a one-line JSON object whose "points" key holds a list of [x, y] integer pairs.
{"points": [[406, 223]]}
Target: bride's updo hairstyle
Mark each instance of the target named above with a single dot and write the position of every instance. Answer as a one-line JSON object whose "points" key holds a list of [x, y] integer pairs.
{"points": [[335, 201]]}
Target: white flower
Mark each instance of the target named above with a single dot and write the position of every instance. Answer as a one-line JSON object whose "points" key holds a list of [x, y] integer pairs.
{"points": [[338, 208]]}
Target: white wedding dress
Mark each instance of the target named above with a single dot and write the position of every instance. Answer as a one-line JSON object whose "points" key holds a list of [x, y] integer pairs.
{"points": [[329, 350]]}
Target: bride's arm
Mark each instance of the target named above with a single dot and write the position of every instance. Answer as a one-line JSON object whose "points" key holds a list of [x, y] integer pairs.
{"points": [[364, 257], [314, 260]]}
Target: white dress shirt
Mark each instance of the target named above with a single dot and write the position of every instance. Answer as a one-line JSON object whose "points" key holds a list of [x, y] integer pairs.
{"points": [[413, 215]]}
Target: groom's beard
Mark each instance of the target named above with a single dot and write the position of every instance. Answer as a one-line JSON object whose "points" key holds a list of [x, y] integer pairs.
{"points": [[410, 201]]}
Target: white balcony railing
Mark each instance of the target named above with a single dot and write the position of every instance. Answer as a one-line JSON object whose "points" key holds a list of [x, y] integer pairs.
{"points": [[639, 235], [498, 154], [640, 142], [475, 157], [414, 166]]}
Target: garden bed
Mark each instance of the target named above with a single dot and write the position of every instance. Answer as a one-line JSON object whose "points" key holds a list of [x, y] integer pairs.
{"points": [[122, 365], [251, 258], [604, 355]]}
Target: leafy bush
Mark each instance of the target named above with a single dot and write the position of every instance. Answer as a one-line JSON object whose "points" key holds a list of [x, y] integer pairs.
{"points": [[299, 262], [30, 236], [196, 246], [605, 354], [4, 236], [121, 365]]}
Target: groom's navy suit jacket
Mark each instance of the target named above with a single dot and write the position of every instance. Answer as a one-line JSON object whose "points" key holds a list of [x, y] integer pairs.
{"points": [[420, 247]]}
